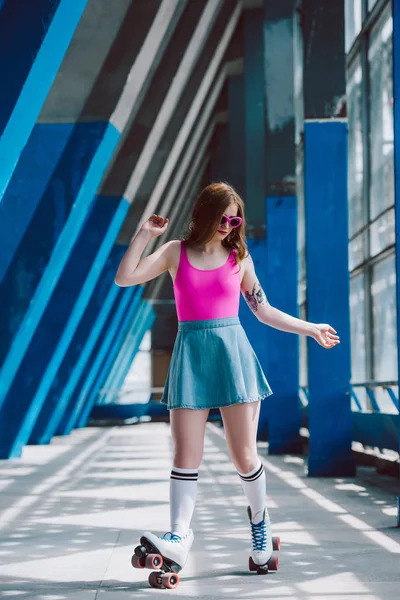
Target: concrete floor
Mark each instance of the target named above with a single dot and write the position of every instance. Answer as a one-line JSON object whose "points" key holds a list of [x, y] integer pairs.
{"points": [[71, 514]]}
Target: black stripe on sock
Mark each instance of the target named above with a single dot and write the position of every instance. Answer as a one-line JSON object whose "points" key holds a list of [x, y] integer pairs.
{"points": [[253, 477], [195, 474], [184, 478]]}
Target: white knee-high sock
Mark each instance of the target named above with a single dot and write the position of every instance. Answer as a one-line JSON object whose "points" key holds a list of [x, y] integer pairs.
{"points": [[182, 498], [254, 487]]}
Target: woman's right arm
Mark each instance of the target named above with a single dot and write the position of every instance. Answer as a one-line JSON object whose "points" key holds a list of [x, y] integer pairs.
{"points": [[134, 270]]}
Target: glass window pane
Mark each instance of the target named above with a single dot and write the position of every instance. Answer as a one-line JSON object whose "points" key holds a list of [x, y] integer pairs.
{"points": [[381, 114], [355, 161], [383, 293], [371, 4], [357, 320], [382, 233], [353, 21], [384, 401], [356, 252]]}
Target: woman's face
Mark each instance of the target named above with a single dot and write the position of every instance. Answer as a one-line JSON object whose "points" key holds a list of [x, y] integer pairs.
{"points": [[225, 229]]}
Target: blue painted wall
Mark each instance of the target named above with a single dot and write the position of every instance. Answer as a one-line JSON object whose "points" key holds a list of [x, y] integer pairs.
{"points": [[143, 321], [254, 120], [41, 165], [96, 369], [48, 242], [23, 25], [34, 37], [58, 324], [92, 321], [284, 415], [325, 190], [236, 134]]}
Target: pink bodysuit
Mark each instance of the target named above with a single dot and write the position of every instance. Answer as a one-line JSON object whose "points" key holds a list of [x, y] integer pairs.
{"points": [[206, 294]]}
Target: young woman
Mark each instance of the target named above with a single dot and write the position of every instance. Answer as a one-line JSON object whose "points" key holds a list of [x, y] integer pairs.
{"points": [[212, 364]]}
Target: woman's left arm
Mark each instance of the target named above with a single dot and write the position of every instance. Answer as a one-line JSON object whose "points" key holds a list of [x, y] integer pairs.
{"points": [[255, 297]]}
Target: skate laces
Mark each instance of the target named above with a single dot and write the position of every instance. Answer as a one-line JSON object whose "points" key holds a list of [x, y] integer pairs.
{"points": [[171, 537], [259, 535]]}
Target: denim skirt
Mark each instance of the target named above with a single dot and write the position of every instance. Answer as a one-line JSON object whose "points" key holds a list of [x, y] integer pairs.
{"points": [[212, 365]]}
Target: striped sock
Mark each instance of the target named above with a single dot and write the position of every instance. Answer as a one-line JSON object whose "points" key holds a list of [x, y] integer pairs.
{"points": [[182, 497], [254, 487]]}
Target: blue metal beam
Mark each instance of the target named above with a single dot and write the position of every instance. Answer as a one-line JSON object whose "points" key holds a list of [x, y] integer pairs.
{"points": [[59, 323], [93, 320], [325, 191], [48, 245], [254, 92], [283, 411], [144, 319], [91, 381], [34, 37]]}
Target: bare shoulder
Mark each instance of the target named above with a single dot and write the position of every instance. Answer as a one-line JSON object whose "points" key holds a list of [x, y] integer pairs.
{"points": [[247, 263], [172, 250]]}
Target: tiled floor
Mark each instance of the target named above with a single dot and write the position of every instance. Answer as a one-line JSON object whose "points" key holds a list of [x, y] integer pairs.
{"points": [[71, 514]]}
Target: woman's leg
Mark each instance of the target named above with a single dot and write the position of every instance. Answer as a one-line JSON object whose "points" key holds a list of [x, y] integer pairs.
{"points": [[240, 425], [187, 429]]}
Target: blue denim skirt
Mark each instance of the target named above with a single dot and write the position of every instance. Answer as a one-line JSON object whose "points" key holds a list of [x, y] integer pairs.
{"points": [[212, 365]]}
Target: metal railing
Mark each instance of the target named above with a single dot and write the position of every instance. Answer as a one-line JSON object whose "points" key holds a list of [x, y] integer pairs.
{"points": [[370, 387]]}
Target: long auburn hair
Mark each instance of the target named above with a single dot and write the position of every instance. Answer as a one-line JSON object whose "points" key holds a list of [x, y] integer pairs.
{"points": [[210, 205]]}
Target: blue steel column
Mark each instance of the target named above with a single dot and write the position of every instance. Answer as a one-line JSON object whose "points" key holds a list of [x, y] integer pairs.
{"points": [[396, 95], [254, 119], [103, 356], [34, 37], [283, 411], [253, 157], [326, 235], [86, 335], [236, 133], [59, 322], [142, 322], [143, 317]]}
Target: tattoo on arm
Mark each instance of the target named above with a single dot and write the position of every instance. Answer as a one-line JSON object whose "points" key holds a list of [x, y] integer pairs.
{"points": [[256, 297]]}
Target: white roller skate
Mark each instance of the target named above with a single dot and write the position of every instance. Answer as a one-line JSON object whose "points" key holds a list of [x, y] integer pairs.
{"points": [[168, 554], [261, 559]]}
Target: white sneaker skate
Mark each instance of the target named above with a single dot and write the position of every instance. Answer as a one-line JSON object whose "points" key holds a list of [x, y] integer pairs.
{"points": [[261, 559], [169, 554]]}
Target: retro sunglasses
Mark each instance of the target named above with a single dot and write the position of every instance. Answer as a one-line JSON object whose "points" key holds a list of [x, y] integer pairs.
{"points": [[233, 221]]}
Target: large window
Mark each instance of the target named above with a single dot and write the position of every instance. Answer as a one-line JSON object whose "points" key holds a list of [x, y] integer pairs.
{"points": [[353, 13], [371, 194]]}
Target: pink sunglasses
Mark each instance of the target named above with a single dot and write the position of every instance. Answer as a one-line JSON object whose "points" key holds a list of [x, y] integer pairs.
{"points": [[233, 221]]}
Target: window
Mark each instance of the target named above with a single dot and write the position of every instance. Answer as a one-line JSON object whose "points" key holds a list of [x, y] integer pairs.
{"points": [[353, 21], [355, 163], [371, 201], [381, 115]]}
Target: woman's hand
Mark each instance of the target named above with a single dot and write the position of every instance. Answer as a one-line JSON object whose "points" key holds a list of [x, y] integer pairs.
{"points": [[155, 225], [325, 335]]}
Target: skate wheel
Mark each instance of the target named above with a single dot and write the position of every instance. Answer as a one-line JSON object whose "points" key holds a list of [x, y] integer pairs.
{"points": [[155, 579], [273, 563], [153, 561], [137, 563], [170, 580], [252, 565], [276, 543], [140, 551]]}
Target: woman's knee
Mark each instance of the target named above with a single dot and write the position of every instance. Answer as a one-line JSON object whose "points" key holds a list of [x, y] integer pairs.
{"points": [[246, 460], [187, 456]]}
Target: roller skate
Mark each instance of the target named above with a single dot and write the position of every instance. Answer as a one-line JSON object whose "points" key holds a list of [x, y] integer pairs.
{"points": [[167, 554], [261, 559]]}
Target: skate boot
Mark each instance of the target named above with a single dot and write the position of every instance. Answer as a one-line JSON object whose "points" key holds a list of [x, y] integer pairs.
{"points": [[261, 559], [168, 554]]}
